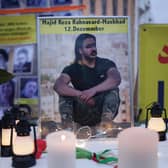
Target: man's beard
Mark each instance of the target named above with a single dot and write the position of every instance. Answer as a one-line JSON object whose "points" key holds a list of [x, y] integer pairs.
{"points": [[92, 56], [94, 53]]}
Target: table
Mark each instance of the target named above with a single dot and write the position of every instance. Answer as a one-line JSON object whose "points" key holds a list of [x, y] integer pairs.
{"points": [[96, 145]]}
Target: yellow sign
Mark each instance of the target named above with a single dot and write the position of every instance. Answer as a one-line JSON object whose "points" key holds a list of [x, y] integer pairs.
{"points": [[153, 66], [27, 101], [83, 25], [17, 29]]}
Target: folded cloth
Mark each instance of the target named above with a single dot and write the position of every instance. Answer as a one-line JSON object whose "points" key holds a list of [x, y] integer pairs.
{"points": [[104, 157]]}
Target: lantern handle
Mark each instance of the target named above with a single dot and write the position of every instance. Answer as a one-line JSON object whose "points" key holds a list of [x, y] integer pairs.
{"points": [[35, 139], [26, 107], [147, 111], [147, 115], [165, 119], [18, 109]]}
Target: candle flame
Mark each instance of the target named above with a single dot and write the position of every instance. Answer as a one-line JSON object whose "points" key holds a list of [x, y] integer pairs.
{"points": [[63, 137]]}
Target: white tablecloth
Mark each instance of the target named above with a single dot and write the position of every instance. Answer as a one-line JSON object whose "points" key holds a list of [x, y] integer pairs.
{"points": [[97, 146]]}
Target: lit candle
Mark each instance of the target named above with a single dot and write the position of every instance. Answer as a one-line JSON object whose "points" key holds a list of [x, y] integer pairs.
{"points": [[138, 148], [61, 149]]}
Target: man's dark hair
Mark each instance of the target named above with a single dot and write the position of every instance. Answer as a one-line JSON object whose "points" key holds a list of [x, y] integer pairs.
{"points": [[79, 43], [4, 54]]}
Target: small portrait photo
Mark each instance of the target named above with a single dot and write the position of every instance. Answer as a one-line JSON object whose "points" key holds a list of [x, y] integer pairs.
{"points": [[36, 3], [10, 4], [23, 57], [3, 59], [29, 87], [7, 94], [60, 2]]}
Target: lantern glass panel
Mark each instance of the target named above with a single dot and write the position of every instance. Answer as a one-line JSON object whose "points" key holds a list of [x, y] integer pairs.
{"points": [[23, 145], [6, 134], [157, 124]]}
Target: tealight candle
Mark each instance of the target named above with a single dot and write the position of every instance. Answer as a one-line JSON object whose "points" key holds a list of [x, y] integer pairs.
{"points": [[61, 149], [138, 148]]}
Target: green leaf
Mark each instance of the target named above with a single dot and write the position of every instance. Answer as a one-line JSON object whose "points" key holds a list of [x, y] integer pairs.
{"points": [[5, 76]]}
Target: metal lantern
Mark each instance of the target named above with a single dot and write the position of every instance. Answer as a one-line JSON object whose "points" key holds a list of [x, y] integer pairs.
{"points": [[6, 141], [9, 120], [24, 145], [156, 122]]}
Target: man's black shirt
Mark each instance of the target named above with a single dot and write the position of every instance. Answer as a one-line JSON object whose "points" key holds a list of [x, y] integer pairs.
{"points": [[83, 77]]}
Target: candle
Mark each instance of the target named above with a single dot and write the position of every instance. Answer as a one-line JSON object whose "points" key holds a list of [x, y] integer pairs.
{"points": [[138, 148], [61, 149]]}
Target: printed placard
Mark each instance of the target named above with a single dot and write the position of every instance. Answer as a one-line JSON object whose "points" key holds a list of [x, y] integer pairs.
{"points": [[58, 44], [17, 29]]}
